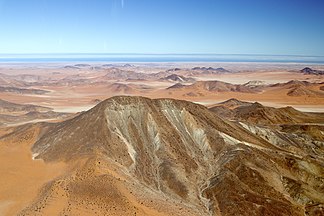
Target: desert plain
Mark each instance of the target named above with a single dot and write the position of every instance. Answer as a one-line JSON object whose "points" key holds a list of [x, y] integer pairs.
{"points": [[252, 140]]}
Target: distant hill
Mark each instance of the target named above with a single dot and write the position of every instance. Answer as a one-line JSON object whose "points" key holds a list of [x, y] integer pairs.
{"points": [[292, 83], [8, 107], [233, 103], [123, 74], [71, 67], [255, 83], [23, 90], [308, 70], [10, 81], [82, 65], [298, 88], [303, 91], [121, 88], [210, 69], [177, 78], [174, 69], [33, 116], [215, 86], [176, 86], [256, 113]]}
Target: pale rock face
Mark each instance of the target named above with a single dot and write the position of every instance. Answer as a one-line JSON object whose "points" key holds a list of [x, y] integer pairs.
{"points": [[34, 156]]}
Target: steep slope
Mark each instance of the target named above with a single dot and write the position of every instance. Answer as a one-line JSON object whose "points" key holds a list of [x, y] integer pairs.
{"points": [[203, 164]]}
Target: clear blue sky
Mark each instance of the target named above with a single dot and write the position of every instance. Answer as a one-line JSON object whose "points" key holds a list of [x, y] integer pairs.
{"points": [[162, 26]]}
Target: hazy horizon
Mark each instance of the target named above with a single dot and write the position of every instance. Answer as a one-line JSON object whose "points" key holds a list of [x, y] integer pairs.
{"points": [[141, 57]]}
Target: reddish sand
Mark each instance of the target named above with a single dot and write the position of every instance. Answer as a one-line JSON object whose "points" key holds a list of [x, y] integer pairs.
{"points": [[21, 176]]}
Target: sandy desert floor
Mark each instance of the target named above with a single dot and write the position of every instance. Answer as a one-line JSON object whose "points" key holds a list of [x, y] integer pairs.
{"points": [[21, 176]]}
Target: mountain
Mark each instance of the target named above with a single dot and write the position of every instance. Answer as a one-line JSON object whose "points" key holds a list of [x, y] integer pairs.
{"points": [[9, 107], [23, 90], [134, 155], [255, 83], [166, 112], [260, 114], [210, 70], [120, 88], [256, 113], [298, 88], [33, 116], [233, 103], [82, 65], [177, 78], [308, 70], [10, 81], [215, 86], [29, 78], [71, 67], [176, 86], [119, 74], [292, 84], [173, 70], [16, 114], [303, 91]]}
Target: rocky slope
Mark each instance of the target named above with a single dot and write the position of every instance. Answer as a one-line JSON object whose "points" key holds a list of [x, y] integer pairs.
{"points": [[134, 155]]}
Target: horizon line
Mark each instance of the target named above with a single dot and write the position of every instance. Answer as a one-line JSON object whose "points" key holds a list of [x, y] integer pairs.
{"points": [[133, 53]]}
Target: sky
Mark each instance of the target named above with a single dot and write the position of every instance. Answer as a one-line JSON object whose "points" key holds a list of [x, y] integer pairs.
{"points": [[270, 27]]}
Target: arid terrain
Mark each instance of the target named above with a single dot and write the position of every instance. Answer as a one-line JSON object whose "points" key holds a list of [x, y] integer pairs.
{"points": [[162, 139]]}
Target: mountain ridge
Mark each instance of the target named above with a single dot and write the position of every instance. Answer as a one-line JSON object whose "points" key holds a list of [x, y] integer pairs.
{"points": [[180, 151]]}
